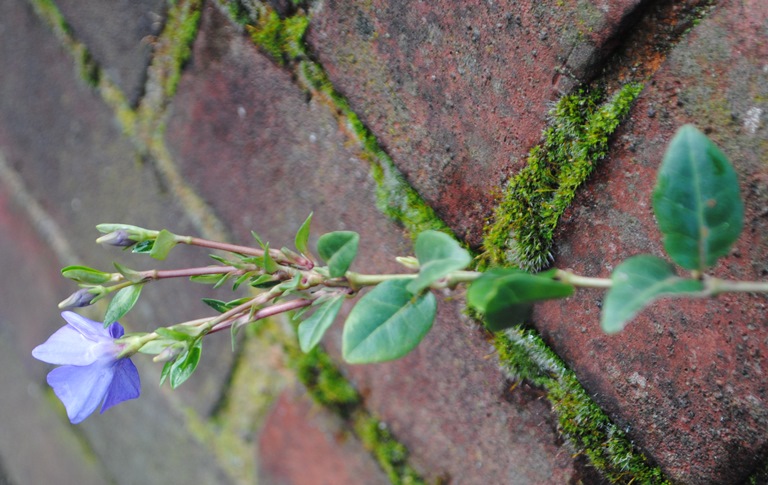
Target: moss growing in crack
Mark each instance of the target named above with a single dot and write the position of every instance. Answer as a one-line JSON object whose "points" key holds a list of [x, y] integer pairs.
{"points": [[324, 382], [524, 355], [181, 30], [577, 138], [281, 38], [391, 455], [394, 196]]}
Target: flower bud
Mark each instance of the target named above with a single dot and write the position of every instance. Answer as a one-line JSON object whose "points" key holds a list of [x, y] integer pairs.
{"points": [[78, 299], [119, 238], [170, 353]]}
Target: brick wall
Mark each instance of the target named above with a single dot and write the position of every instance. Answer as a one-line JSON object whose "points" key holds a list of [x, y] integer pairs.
{"points": [[216, 118]]}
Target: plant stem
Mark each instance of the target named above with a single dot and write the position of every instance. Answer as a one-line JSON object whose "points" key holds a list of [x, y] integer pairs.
{"points": [[582, 281], [715, 286]]}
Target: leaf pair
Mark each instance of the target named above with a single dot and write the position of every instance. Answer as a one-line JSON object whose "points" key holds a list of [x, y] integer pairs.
{"points": [[700, 214]]}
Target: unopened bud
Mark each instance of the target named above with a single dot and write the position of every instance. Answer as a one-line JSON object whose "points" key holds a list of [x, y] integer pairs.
{"points": [[119, 238], [170, 353], [78, 299]]}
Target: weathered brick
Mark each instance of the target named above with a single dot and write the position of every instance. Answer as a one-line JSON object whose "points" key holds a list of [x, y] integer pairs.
{"points": [[61, 142], [119, 36], [686, 377], [458, 94], [264, 156], [302, 443]]}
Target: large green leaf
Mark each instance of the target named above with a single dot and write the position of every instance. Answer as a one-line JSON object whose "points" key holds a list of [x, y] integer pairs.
{"points": [[338, 249], [505, 296], [438, 254], [387, 323], [696, 201], [313, 328], [636, 283], [122, 303]]}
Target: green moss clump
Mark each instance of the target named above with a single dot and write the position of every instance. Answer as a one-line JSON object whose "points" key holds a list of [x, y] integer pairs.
{"points": [[181, 26], [281, 38], [390, 454], [537, 196], [323, 380], [524, 355]]}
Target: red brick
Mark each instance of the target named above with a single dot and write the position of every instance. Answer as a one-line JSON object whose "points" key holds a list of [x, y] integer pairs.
{"points": [[264, 156], [687, 375], [119, 36], [302, 444], [458, 93]]}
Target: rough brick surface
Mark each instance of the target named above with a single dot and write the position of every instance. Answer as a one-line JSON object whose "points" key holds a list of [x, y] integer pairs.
{"points": [[119, 34], [61, 140], [458, 94], [302, 444], [277, 157], [687, 377]]}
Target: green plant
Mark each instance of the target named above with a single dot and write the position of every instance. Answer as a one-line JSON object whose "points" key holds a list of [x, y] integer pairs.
{"points": [[696, 202]]}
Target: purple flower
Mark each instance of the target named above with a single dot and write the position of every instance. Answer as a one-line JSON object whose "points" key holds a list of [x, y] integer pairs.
{"points": [[91, 371]]}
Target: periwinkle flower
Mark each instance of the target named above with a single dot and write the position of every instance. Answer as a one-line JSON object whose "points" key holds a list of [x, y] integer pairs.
{"points": [[91, 370]]}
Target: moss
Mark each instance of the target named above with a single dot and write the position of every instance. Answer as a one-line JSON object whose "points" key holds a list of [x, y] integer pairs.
{"points": [[329, 388], [394, 196], [281, 38], [180, 32], [524, 355], [391, 455], [576, 140]]}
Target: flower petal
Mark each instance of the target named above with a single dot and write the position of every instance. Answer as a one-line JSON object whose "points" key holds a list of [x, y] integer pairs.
{"points": [[125, 384], [66, 346], [116, 330], [81, 388], [89, 328]]}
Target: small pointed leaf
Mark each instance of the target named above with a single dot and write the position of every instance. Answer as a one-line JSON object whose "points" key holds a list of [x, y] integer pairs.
{"points": [[636, 283], [164, 242], [696, 201], [387, 323], [313, 328], [122, 303], [185, 365], [302, 236], [338, 249], [438, 255]]}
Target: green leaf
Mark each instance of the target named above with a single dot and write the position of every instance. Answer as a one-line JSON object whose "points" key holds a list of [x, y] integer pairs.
{"points": [[505, 296], [185, 365], [207, 279], [264, 281], [302, 236], [84, 274], [218, 305], [143, 247], [697, 201], [155, 346], [122, 303], [164, 242], [313, 328], [636, 283], [166, 371], [438, 254], [270, 266], [338, 249], [387, 323], [131, 275]]}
